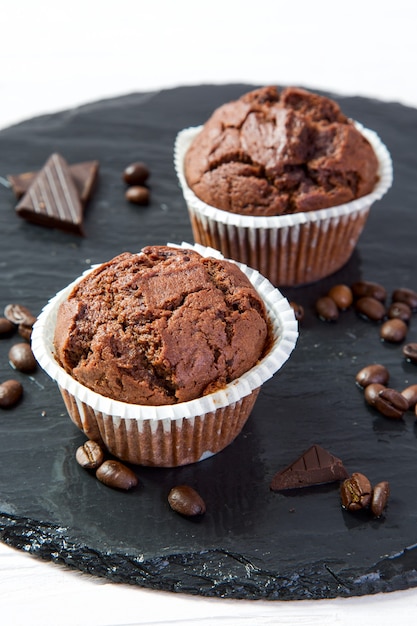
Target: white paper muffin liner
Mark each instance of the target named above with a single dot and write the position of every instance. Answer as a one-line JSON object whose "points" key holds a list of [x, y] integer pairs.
{"points": [[169, 435], [289, 250]]}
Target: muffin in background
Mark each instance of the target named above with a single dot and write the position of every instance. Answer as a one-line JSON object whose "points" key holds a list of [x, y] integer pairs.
{"points": [[185, 428], [281, 182]]}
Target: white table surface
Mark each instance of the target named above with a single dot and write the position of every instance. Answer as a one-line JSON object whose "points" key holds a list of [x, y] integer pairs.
{"points": [[56, 56]]}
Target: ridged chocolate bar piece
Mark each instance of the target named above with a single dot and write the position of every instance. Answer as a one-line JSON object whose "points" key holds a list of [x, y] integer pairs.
{"points": [[52, 199], [315, 466], [84, 175]]}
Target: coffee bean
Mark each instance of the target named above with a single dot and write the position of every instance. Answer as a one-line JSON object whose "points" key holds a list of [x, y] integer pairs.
{"points": [[116, 475], [25, 331], [136, 173], [19, 314], [356, 492], [137, 195], [410, 352], [365, 288], [370, 374], [393, 331], [371, 308], [380, 498], [408, 296], [6, 327], [372, 392], [399, 310], [391, 403], [10, 393], [21, 358], [410, 394], [90, 455], [342, 295], [185, 500], [326, 309], [298, 311]]}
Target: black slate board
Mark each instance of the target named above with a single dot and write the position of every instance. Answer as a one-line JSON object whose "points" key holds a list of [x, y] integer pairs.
{"points": [[251, 543]]}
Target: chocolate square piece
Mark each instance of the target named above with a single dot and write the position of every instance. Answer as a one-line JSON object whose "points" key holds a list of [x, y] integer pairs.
{"points": [[52, 199]]}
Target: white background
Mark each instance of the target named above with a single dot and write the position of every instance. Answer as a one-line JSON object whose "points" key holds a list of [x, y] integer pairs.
{"points": [[56, 55]]}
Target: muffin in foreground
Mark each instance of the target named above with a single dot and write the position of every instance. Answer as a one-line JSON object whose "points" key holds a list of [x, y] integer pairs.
{"points": [[160, 355], [282, 182]]}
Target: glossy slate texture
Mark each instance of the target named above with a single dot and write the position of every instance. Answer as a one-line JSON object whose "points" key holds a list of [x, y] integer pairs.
{"points": [[251, 543]]}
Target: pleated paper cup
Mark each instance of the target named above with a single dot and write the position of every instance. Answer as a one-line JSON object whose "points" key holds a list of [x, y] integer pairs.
{"points": [[169, 435], [289, 250]]}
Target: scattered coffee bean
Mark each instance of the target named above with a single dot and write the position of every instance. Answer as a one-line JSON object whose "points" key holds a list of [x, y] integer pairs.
{"points": [[298, 311], [116, 475], [371, 308], [342, 295], [391, 403], [399, 310], [393, 331], [375, 373], [371, 392], [6, 327], [90, 455], [380, 498], [410, 352], [356, 492], [410, 394], [19, 314], [10, 393], [21, 358], [365, 288], [326, 309], [136, 174], [137, 195], [408, 296], [25, 331], [185, 500]]}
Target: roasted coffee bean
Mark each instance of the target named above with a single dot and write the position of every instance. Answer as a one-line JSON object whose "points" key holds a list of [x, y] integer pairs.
{"points": [[326, 309], [391, 403], [21, 358], [115, 474], [19, 314], [185, 500], [342, 295], [410, 394], [410, 352], [365, 288], [25, 331], [6, 327], [356, 492], [393, 331], [372, 392], [10, 393], [138, 195], [408, 296], [371, 308], [136, 174], [370, 374], [298, 311], [90, 455], [399, 310], [380, 498]]}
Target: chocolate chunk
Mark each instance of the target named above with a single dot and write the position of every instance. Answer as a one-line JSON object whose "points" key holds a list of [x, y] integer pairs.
{"points": [[314, 467], [52, 199], [84, 175]]}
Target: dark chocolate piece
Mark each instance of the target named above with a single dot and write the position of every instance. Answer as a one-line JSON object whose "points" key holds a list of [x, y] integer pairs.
{"points": [[315, 466], [52, 199], [84, 176]]}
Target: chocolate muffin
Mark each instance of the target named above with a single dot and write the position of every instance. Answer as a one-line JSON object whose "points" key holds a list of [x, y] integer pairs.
{"points": [[272, 153], [161, 327]]}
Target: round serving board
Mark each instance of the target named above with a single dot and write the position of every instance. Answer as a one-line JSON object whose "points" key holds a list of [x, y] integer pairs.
{"points": [[251, 543]]}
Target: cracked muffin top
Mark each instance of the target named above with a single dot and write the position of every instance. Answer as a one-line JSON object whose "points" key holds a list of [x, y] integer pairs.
{"points": [[160, 327], [272, 153]]}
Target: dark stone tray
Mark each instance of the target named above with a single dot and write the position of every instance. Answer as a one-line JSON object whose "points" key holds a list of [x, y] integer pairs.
{"points": [[251, 543]]}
